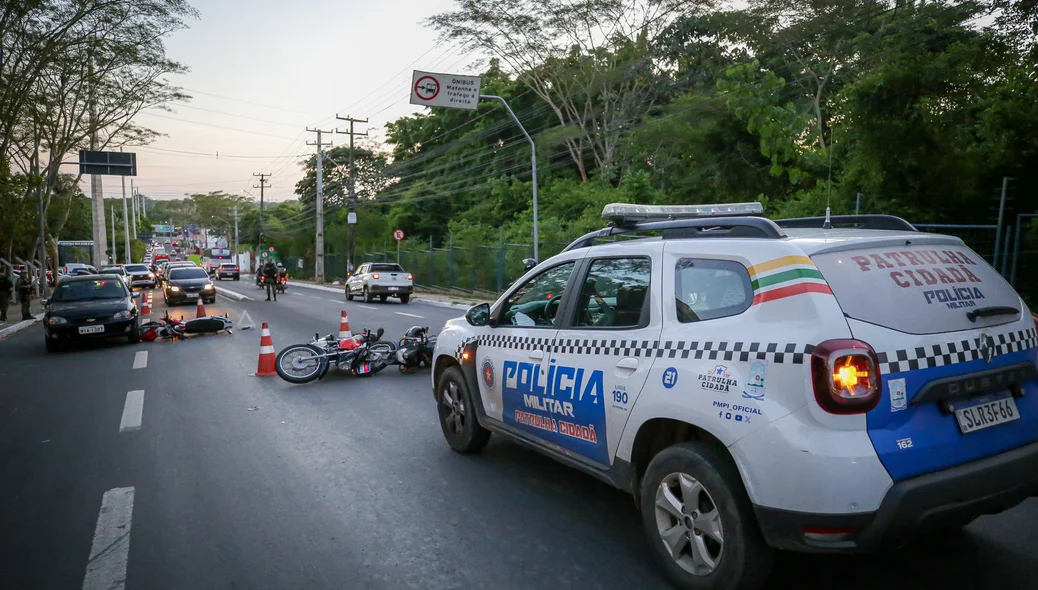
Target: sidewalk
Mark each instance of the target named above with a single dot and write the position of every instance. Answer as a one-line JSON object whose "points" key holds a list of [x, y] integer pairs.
{"points": [[14, 316], [460, 300]]}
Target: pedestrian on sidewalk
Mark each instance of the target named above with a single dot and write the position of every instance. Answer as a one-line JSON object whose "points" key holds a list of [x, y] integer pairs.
{"points": [[24, 288], [270, 279], [6, 287]]}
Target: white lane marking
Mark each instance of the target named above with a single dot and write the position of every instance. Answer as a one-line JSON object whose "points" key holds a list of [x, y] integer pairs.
{"points": [[410, 315], [110, 550], [140, 359], [132, 411], [367, 307], [333, 300]]}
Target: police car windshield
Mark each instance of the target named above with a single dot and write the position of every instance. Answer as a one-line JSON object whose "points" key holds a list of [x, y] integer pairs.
{"points": [[94, 289], [386, 268]]}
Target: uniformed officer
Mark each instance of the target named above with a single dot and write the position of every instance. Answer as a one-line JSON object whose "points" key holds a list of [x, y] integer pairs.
{"points": [[270, 279], [6, 286], [24, 288]]}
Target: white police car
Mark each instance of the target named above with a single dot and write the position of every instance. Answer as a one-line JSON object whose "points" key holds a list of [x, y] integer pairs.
{"points": [[798, 385]]}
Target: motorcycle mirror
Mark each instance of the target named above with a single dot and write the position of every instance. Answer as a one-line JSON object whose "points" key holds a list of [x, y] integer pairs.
{"points": [[378, 335]]}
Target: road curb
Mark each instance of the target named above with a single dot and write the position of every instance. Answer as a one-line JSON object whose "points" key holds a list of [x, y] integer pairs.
{"points": [[232, 295], [19, 326], [340, 290], [444, 303], [415, 297]]}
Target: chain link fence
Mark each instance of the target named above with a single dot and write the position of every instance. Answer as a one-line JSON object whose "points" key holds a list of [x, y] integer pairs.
{"points": [[487, 270]]}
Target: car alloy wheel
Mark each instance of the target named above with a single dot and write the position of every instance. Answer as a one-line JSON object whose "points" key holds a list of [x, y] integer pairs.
{"points": [[689, 524]]}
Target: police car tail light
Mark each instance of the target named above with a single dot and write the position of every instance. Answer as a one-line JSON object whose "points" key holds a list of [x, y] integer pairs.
{"points": [[845, 375], [375, 276], [410, 277]]}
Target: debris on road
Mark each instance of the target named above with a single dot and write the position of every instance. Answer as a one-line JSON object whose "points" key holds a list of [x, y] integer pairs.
{"points": [[253, 408]]}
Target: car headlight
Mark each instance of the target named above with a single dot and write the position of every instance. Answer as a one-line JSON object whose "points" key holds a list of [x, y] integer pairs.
{"points": [[56, 320], [174, 288], [151, 275], [209, 287], [122, 315]]}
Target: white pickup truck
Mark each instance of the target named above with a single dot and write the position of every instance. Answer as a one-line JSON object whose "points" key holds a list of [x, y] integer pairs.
{"points": [[382, 280]]}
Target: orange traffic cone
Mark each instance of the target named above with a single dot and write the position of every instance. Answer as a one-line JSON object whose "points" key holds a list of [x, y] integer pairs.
{"points": [[145, 305], [200, 310], [344, 326], [265, 368]]}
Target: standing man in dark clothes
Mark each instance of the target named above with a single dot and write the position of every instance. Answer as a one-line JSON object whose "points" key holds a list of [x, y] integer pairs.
{"points": [[270, 279], [24, 287], [6, 286]]}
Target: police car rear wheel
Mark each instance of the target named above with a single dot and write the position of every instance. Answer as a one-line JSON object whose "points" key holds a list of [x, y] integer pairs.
{"points": [[700, 522], [457, 417]]}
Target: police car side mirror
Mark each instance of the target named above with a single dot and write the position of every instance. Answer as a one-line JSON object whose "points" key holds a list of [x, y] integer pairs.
{"points": [[478, 315]]}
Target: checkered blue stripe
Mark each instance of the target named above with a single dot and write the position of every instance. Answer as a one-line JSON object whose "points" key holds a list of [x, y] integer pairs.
{"points": [[950, 353], [696, 349]]}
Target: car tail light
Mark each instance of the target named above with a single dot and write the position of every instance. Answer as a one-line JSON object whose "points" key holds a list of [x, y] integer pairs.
{"points": [[845, 375], [410, 277], [375, 276], [236, 268]]}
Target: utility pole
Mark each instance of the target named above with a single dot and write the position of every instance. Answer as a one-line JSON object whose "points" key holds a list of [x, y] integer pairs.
{"points": [[112, 211], [133, 209], [263, 183], [126, 226], [319, 206], [236, 261], [351, 217]]}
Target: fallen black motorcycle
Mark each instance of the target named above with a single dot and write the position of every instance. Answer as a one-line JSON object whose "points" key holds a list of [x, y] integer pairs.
{"points": [[362, 355], [415, 349]]}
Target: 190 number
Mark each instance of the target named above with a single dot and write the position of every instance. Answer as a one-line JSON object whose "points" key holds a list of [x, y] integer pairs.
{"points": [[620, 397]]}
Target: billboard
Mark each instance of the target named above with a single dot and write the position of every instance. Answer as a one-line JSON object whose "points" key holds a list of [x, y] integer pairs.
{"points": [[162, 229]]}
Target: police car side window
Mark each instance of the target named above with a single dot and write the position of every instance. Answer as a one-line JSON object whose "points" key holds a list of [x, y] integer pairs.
{"points": [[538, 300], [613, 293], [710, 289]]}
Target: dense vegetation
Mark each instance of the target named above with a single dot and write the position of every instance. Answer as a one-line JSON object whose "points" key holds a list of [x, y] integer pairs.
{"points": [[921, 108]]}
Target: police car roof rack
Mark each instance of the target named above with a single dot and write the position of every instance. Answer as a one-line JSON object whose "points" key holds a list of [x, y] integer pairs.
{"points": [[712, 227], [883, 222]]}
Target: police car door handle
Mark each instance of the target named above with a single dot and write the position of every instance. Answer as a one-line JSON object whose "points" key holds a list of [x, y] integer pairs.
{"points": [[537, 354], [630, 364]]}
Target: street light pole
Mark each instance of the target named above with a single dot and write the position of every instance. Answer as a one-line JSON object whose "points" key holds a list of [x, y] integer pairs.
{"points": [[533, 166]]}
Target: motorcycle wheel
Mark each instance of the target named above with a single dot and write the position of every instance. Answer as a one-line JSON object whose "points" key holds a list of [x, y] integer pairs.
{"points": [[300, 363]]}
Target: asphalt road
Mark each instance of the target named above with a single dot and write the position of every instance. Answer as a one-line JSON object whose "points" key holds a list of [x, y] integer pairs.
{"points": [[233, 481]]}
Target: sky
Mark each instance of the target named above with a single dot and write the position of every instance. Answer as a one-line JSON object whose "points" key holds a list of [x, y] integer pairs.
{"points": [[305, 61]]}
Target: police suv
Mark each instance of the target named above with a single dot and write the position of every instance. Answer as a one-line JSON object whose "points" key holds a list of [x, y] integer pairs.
{"points": [[831, 384]]}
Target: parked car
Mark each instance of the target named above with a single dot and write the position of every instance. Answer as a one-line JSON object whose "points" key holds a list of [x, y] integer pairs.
{"points": [[228, 270], [89, 307], [187, 285], [382, 280]]}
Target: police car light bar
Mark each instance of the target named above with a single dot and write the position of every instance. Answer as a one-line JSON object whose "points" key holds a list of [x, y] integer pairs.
{"points": [[626, 213]]}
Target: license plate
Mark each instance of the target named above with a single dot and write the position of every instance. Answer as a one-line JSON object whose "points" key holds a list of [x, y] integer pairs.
{"points": [[986, 415], [394, 288], [91, 329], [190, 295]]}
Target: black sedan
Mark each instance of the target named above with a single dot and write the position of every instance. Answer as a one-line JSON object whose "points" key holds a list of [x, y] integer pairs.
{"points": [[89, 307], [228, 271], [187, 285]]}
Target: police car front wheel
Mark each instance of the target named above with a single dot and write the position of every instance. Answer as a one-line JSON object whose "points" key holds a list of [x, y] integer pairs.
{"points": [[700, 522], [457, 414]]}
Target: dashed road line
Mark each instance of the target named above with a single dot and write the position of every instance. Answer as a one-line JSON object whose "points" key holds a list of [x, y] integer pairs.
{"points": [[410, 315], [133, 410], [334, 300], [110, 550], [367, 307], [140, 360]]}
